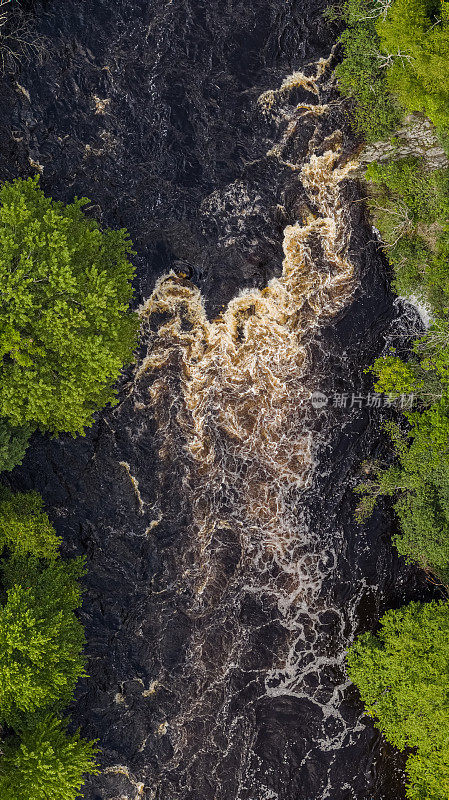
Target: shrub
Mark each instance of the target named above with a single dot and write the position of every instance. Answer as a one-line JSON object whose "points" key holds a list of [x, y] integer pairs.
{"points": [[403, 678], [65, 331], [41, 640], [45, 762]]}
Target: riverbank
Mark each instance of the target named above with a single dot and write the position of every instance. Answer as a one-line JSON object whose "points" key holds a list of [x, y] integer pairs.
{"points": [[400, 51]]}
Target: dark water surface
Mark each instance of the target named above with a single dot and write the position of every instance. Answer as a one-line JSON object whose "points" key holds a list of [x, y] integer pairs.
{"points": [[150, 109]]}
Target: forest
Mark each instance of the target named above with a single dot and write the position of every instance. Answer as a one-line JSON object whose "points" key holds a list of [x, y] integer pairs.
{"points": [[396, 62]]}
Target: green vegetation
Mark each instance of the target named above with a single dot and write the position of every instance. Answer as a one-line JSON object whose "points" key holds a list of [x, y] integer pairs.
{"points": [[24, 526], [65, 333], [415, 35], [45, 762], [410, 207], [420, 483], [41, 640], [41, 659], [65, 330], [13, 444], [361, 75], [411, 210], [403, 678], [395, 58]]}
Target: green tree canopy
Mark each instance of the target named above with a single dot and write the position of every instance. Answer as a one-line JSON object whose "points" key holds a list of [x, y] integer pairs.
{"points": [[419, 480], [41, 657], [415, 33], [403, 678], [13, 444], [360, 74], [65, 329], [45, 762], [41, 639], [25, 527], [411, 210], [395, 57]]}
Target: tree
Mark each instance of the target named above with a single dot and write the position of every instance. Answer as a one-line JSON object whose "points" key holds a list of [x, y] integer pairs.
{"points": [[65, 329], [45, 762], [411, 210], [13, 444], [420, 484], [415, 33], [419, 479], [395, 57], [361, 75], [25, 527], [403, 678], [41, 657], [41, 639]]}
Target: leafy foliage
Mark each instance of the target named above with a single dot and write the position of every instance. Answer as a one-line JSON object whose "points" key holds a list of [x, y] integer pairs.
{"points": [[65, 330], [13, 444], [407, 203], [425, 195], [420, 478], [411, 211], [420, 483], [403, 672], [360, 74], [45, 762], [415, 34], [25, 527], [403, 678], [395, 57], [426, 373], [41, 640], [41, 658]]}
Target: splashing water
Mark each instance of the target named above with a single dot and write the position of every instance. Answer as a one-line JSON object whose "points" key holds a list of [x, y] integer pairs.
{"points": [[230, 398], [241, 377]]}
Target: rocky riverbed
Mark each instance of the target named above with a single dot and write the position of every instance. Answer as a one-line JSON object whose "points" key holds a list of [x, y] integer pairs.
{"points": [[234, 689]]}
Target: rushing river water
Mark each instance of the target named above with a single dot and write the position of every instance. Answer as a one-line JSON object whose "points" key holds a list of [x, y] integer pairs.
{"points": [[226, 572]]}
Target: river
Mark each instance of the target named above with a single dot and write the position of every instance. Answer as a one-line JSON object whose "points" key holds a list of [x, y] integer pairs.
{"points": [[215, 505]]}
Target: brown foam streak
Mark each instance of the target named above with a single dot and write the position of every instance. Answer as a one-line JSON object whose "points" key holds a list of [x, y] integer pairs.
{"points": [[242, 376]]}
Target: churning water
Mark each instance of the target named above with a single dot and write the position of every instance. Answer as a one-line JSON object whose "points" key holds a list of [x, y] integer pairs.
{"points": [[226, 573]]}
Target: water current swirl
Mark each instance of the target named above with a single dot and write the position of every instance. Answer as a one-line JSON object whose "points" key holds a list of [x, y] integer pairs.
{"points": [[230, 396]]}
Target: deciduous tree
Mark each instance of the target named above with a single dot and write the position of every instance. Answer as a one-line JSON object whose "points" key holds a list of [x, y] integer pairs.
{"points": [[402, 674], [45, 762], [65, 328]]}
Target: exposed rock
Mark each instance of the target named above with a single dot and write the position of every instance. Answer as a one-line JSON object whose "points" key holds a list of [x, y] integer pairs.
{"points": [[417, 137]]}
